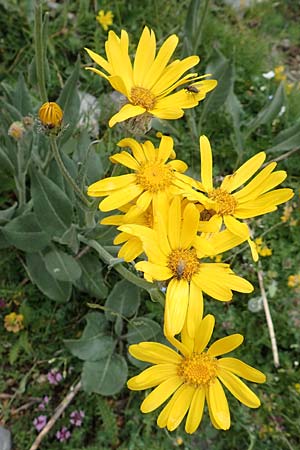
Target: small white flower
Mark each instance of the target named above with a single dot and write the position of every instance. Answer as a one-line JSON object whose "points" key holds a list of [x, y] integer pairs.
{"points": [[269, 75], [282, 111]]}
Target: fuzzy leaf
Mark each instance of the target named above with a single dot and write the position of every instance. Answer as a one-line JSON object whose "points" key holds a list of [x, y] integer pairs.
{"points": [[123, 300]]}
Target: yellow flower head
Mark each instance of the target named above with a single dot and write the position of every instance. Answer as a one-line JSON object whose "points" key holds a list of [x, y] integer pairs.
{"points": [[105, 19], [222, 206], [261, 248], [192, 377], [280, 73], [13, 322], [148, 83], [175, 254], [16, 130], [287, 212], [294, 281], [51, 115], [152, 180]]}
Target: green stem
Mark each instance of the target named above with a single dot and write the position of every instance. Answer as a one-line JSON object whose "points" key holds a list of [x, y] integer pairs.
{"points": [[107, 258], [39, 52], [21, 177], [66, 174]]}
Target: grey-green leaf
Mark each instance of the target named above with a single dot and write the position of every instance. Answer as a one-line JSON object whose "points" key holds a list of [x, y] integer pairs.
{"points": [[91, 279], [142, 329], [25, 233], [123, 300], [62, 266], [105, 377], [50, 286], [51, 205]]}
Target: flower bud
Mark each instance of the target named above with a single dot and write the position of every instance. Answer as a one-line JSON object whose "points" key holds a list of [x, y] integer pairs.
{"points": [[51, 115], [16, 130]]}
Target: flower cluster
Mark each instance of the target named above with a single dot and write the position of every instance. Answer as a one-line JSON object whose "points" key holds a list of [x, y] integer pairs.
{"points": [[179, 227], [14, 322]]}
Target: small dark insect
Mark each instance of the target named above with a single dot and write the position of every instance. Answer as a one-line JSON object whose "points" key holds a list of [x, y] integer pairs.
{"points": [[192, 89], [180, 269]]}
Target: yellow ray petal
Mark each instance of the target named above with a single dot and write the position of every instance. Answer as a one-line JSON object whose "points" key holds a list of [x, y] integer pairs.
{"points": [[208, 283], [135, 147], [144, 201], [189, 225], [152, 376], [238, 228], [118, 84], [242, 369], [239, 389], [144, 57], [225, 240], [244, 173], [165, 148], [196, 411], [218, 405], [120, 198], [253, 249], [195, 309], [160, 394], [180, 407], [126, 112], [157, 272], [213, 225], [117, 55], [177, 298], [206, 163], [204, 333], [173, 73], [125, 159], [131, 250], [164, 414], [99, 188], [225, 345], [179, 166], [99, 60], [174, 223], [155, 353], [160, 62], [98, 72]]}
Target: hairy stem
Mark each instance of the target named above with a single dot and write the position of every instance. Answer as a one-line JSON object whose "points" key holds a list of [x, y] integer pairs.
{"points": [[39, 52]]}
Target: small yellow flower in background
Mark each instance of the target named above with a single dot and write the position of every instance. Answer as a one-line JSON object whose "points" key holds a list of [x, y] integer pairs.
{"points": [[13, 322], [16, 130], [105, 19], [51, 115], [179, 441], [297, 387], [287, 212], [261, 248], [294, 281], [193, 377], [149, 83], [280, 73], [289, 87], [222, 206]]}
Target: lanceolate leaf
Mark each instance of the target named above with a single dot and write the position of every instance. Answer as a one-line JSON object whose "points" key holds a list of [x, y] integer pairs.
{"points": [[91, 279], [25, 233], [52, 288], [62, 266], [51, 205], [123, 300], [105, 377]]}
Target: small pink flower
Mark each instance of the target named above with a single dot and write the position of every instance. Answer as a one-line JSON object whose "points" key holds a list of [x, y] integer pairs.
{"points": [[40, 422], [76, 418], [45, 402], [63, 435], [54, 377]]}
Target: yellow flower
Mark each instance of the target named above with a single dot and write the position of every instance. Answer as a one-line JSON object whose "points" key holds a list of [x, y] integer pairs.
{"points": [[105, 19], [294, 281], [51, 115], [149, 82], [297, 387], [16, 130], [261, 248], [279, 73], [222, 206], [175, 254], [152, 180], [192, 377], [13, 322]]}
